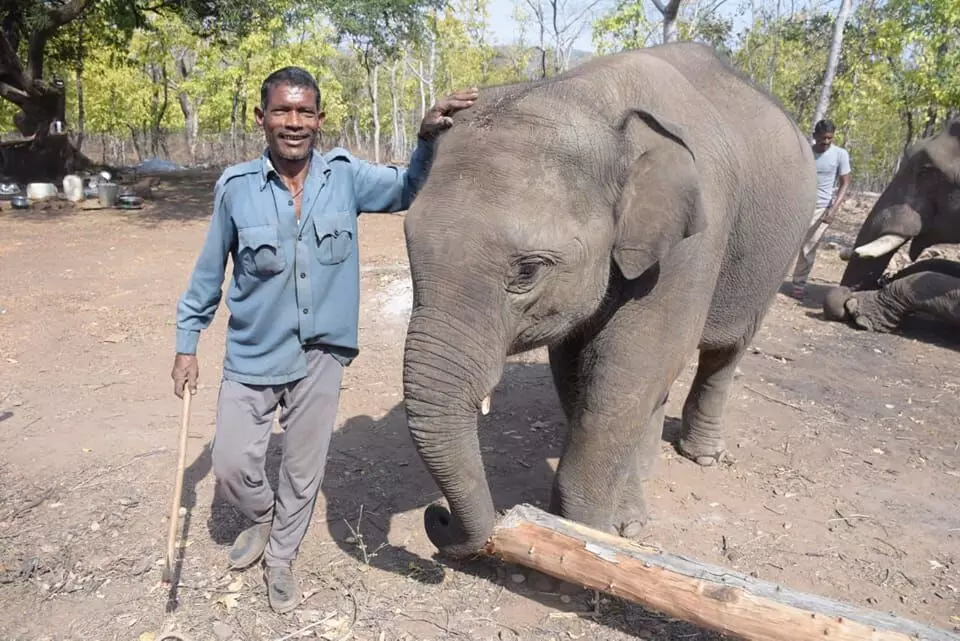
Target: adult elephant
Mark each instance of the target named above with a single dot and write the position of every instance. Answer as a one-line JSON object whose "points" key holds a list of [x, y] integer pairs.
{"points": [[624, 213], [921, 205], [930, 287]]}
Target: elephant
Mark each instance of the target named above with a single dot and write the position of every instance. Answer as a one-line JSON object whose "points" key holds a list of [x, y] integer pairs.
{"points": [[928, 286], [921, 205], [627, 214]]}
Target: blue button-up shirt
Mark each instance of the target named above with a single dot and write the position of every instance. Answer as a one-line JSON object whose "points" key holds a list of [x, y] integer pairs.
{"points": [[294, 283]]}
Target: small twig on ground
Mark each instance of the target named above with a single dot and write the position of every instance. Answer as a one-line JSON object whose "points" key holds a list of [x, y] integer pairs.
{"points": [[29, 506], [182, 586], [117, 468], [767, 507], [909, 580], [353, 621], [773, 400], [307, 628], [358, 539], [900, 553], [846, 519], [497, 623], [433, 623]]}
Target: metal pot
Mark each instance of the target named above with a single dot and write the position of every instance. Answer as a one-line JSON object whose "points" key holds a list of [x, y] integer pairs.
{"points": [[20, 202]]}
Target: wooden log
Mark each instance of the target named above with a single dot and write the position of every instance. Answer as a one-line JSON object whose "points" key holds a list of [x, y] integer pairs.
{"points": [[712, 597]]}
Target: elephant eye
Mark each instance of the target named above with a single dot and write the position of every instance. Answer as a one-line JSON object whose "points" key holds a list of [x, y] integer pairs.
{"points": [[527, 271]]}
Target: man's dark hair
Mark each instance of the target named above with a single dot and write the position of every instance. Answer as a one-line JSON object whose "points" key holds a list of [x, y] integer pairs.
{"points": [[824, 127], [293, 76]]}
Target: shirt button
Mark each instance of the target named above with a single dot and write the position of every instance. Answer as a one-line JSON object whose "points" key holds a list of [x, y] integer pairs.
{"points": [[290, 202], [303, 275], [304, 310]]}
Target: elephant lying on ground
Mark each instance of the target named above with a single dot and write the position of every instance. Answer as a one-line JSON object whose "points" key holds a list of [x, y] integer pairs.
{"points": [[929, 286], [625, 213], [921, 205]]}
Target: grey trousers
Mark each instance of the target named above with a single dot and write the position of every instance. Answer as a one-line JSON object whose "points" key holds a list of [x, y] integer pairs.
{"points": [[808, 251], [308, 410]]}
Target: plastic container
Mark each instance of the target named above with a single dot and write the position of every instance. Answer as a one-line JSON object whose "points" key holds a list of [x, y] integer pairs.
{"points": [[73, 188], [107, 193], [41, 191]]}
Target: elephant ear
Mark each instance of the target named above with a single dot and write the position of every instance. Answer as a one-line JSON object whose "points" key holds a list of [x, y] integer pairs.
{"points": [[660, 202]]}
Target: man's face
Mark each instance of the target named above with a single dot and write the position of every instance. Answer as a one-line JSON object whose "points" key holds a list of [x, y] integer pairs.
{"points": [[290, 122], [824, 139]]}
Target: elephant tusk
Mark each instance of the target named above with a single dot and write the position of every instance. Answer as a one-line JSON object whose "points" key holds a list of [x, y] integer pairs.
{"points": [[485, 405], [881, 246]]}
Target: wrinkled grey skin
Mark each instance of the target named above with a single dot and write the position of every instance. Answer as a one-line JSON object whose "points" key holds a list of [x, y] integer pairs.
{"points": [[930, 287], [625, 213], [921, 204]]}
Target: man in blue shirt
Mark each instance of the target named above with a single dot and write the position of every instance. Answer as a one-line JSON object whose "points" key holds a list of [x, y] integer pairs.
{"points": [[288, 220], [832, 162]]}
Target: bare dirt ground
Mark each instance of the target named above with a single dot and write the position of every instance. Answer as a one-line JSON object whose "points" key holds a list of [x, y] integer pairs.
{"points": [[846, 481]]}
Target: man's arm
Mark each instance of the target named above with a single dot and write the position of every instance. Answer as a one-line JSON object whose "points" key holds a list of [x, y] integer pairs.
{"points": [[388, 189], [197, 306]]}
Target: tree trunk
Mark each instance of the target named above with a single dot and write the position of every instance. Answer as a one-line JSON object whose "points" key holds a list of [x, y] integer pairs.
{"points": [[431, 82], [772, 73], [836, 46], [234, 115], [402, 116], [394, 113], [708, 596], [81, 118], [423, 92], [158, 106], [373, 89], [81, 53], [669, 11]]}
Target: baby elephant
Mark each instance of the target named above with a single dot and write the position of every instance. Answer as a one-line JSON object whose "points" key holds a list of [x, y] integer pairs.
{"points": [[928, 286]]}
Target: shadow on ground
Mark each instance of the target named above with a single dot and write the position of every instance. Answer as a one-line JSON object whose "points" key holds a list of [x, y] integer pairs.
{"points": [[523, 431], [373, 470]]}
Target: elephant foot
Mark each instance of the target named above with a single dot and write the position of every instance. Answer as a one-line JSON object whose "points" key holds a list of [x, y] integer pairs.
{"points": [[704, 452], [632, 517]]}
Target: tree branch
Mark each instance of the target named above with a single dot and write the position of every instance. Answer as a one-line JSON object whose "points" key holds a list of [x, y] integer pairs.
{"points": [[54, 19], [15, 95]]}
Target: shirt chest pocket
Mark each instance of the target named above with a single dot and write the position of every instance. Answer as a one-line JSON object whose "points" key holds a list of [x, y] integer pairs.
{"points": [[335, 237], [260, 252]]}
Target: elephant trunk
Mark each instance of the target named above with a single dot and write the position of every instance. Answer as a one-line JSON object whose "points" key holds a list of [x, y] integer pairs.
{"points": [[889, 225], [444, 385]]}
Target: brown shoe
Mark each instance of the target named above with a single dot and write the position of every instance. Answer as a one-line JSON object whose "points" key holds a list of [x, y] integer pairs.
{"points": [[283, 591], [249, 546]]}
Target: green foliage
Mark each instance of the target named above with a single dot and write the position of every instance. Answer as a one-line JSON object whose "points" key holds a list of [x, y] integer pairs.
{"points": [[897, 77]]}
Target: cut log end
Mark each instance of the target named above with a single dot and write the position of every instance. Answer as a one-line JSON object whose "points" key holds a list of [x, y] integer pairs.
{"points": [[709, 596]]}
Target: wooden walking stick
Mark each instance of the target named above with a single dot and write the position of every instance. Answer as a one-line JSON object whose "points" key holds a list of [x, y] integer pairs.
{"points": [[178, 487]]}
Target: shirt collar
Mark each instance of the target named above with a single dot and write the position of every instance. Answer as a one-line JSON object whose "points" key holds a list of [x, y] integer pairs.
{"points": [[319, 169]]}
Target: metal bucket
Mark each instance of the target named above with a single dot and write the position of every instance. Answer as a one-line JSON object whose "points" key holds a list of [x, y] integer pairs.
{"points": [[107, 192]]}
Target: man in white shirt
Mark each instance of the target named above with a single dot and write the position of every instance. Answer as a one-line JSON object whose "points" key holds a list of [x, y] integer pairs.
{"points": [[833, 162]]}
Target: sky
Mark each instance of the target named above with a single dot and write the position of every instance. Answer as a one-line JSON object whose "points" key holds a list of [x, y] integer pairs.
{"points": [[504, 28]]}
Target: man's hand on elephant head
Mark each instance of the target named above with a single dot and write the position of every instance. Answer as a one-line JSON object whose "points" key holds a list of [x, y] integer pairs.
{"points": [[438, 119]]}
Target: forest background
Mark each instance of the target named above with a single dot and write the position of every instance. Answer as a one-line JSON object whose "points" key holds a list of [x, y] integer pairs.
{"points": [[178, 79]]}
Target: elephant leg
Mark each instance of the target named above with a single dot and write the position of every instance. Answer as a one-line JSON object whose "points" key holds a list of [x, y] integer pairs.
{"points": [[564, 363], [632, 515], [612, 441], [701, 432]]}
